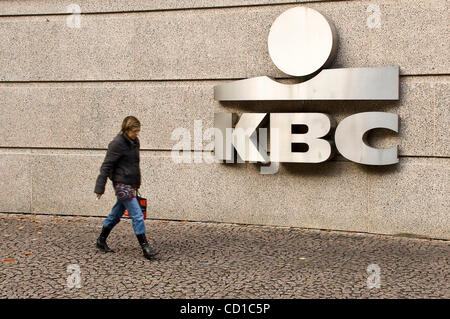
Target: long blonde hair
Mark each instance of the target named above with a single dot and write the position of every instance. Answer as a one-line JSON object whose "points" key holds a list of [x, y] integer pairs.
{"points": [[129, 123]]}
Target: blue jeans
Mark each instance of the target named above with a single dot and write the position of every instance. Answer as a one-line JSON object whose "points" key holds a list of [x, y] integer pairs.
{"points": [[135, 211]]}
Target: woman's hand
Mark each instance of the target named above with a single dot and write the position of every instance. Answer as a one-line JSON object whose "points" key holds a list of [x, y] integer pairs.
{"points": [[98, 196]]}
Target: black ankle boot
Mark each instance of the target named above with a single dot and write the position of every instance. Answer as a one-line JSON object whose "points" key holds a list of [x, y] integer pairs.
{"points": [[101, 240], [146, 249]]}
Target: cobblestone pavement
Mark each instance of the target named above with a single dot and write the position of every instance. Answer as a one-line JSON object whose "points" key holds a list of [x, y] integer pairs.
{"points": [[209, 260]]}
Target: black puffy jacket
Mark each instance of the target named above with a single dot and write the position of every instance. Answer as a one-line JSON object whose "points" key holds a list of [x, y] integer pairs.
{"points": [[121, 163]]}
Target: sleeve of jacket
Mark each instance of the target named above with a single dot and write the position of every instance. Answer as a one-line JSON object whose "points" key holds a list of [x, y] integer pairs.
{"points": [[139, 160], [112, 156], [140, 178]]}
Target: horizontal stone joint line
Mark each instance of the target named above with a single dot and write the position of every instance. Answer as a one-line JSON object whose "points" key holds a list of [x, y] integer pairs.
{"points": [[183, 80], [420, 237], [144, 150], [284, 3]]}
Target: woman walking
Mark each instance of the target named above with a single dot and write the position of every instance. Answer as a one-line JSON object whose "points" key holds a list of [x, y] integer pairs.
{"points": [[121, 165]]}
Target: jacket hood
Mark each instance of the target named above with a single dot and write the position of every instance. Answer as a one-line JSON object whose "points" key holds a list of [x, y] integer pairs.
{"points": [[129, 140]]}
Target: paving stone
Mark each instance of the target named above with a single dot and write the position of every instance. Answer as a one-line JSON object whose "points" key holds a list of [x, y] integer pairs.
{"points": [[214, 260]]}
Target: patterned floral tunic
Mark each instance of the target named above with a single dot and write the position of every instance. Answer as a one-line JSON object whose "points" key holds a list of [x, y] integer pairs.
{"points": [[124, 192]]}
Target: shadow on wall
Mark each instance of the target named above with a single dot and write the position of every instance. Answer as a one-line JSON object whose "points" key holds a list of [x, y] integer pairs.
{"points": [[327, 169], [337, 109]]}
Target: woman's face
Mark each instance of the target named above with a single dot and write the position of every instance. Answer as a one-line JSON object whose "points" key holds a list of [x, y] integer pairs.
{"points": [[133, 133]]}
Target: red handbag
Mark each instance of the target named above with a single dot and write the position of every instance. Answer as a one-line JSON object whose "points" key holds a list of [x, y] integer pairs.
{"points": [[142, 202]]}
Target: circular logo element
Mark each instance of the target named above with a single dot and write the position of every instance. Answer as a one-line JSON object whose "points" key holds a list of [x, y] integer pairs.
{"points": [[301, 41]]}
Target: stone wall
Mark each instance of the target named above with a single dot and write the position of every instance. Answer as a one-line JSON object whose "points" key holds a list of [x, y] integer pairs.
{"points": [[64, 92]]}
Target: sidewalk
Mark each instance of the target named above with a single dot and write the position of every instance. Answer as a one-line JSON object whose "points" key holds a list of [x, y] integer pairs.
{"points": [[209, 260]]}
